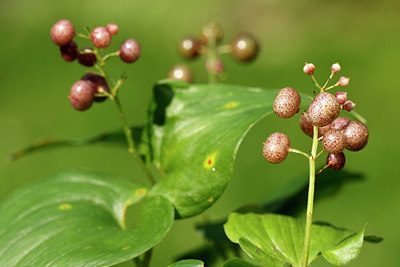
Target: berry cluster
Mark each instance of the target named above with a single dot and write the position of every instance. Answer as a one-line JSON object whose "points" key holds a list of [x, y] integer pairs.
{"points": [[92, 87], [337, 133], [244, 47]]}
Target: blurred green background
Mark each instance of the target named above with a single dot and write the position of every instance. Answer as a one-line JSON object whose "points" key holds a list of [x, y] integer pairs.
{"points": [[363, 36]]}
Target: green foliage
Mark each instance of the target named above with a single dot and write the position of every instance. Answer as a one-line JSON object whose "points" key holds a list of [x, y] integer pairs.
{"points": [[236, 262], [78, 218], [273, 239], [187, 263]]}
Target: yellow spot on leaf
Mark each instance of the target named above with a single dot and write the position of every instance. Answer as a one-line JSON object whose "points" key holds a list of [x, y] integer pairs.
{"points": [[64, 207], [231, 105], [211, 199], [210, 161], [86, 247], [141, 191], [126, 248]]}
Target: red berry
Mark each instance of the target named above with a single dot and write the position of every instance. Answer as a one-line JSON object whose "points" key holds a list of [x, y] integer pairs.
{"points": [[129, 51], [348, 105], [112, 28], [81, 95], [323, 109], [98, 83], [336, 161], [355, 135], [86, 57], [276, 148], [333, 141], [287, 103], [309, 68], [245, 47], [189, 47], [100, 37], [181, 73], [69, 51], [62, 32], [341, 97], [339, 123]]}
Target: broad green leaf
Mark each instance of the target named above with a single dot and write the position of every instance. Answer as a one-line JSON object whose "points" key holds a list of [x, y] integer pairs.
{"points": [[187, 263], [236, 262], [77, 218], [347, 250], [281, 238], [259, 255], [197, 131]]}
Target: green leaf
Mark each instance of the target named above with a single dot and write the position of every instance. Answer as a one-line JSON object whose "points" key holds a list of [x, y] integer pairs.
{"points": [[187, 263], [77, 218], [197, 132], [347, 250], [236, 262], [276, 237]]}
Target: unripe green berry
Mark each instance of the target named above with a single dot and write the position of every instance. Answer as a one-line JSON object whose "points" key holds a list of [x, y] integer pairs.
{"points": [[245, 47], [276, 148], [181, 73], [323, 109], [308, 128], [336, 161], [287, 103], [333, 141], [189, 47], [355, 135], [339, 123]]}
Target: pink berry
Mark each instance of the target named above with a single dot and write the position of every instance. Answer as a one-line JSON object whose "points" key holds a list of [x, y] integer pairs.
{"points": [[309, 69], [69, 51], [129, 51], [112, 28], [276, 148], [287, 103], [323, 109], [333, 141], [86, 57], [62, 32], [81, 95], [98, 83], [355, 135], [101, 38], [308, 128], [344, 81], [335, 68], [336, 161], [341, 97], [348, 105], [339, 123]]}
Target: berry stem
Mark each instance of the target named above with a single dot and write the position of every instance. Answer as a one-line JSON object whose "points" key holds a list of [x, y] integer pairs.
{"points": [[315, 82], [310, 201], [212, 56], [331, 87], [299, 152], [224, 49], [113, 54], [327, 82], [319, 154]]}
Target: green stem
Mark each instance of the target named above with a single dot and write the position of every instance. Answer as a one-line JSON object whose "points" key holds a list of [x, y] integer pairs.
{"points": [[315, 82], [212, 56], [299, 152], [310, 201]]}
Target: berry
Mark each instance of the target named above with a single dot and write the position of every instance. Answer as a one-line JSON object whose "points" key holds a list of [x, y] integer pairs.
{"points": [[355, 136], [341, 97], [211, 30], [287, 103], [339, 123], [333, 141], [308, 128], [344, 81], [81, 95], [309, 68], [100, 37], [69, 51], [112, 28], [276, 148], [181, 73], [323, 109], [335, 68], [129, 51], [215, 66], [86, 57], [97, 82], [336, 161], [62, 32], [189, 47], [348, 105], [244, 47]]}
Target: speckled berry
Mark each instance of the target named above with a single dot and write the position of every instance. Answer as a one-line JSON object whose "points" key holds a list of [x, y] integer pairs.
{"points": [[341, 97], [211, 30], [323, 109], [86, 57], [287, 103], [308, 128], [276, 148], [335, 68], [348, 105], [100, 37], [339, 123], [309, 68], [336, 161], [189, 47], [69, 51], [355, 135], [98, 83], [62, 32], [344, 81], [112, 28], [333, 141], [81, 95], [245, 47], [129, 51], [181, 73]]}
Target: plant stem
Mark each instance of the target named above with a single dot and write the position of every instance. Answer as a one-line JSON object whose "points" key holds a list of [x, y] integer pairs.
{"points": [[212, 56], [310, 201]]}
